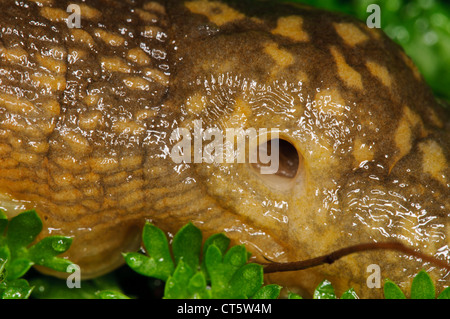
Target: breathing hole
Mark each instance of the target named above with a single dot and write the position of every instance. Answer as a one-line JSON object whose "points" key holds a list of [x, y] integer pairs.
{"points": [[289, 159]]}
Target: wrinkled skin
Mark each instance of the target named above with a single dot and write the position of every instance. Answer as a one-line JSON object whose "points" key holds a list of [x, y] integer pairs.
{"points": [[86, 117]]}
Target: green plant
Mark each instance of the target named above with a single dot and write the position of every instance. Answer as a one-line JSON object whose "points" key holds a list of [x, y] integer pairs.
{"points": [[221, 273], [422, 287], [17, 254], [104, 287], [188, 268]]}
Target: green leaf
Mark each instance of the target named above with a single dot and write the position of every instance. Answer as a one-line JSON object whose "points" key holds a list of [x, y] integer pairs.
{"points": [[247, 280], [293, 295], [218, 273], [44, 252], [147, 266], [176, 285], [445, 294], [392, 291], [50, 246], [231, 276], [324, 291], [23, 229], [220, 240], [159, 264], [197, 287], [349, 294], [236, 256], [5, 253], [3, 222], [157, 246], [18, 267], [15, 289], [422, 286], [268, 292], [2, 269], [58, 264], [186, 245], [111, 294]]}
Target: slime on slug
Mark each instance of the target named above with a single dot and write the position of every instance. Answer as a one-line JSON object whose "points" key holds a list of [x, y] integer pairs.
{"points": [[86, 116]]}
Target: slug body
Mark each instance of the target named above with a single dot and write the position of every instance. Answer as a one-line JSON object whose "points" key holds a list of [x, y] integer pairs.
{"points": [[87, 117]]}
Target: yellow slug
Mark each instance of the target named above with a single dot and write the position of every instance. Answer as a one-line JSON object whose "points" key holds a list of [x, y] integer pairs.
{"points": [[87, 116]]}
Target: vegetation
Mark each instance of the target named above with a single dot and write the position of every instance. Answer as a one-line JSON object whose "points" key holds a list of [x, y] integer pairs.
{"points": [[421, 27], [188, 268]]}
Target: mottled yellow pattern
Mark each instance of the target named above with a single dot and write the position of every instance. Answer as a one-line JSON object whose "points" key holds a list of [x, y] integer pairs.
{"points": [[14, 55], [292, 28], [434, 161], [137, 55], [110, 38], [217, 12], [350, 33], [54, 14], [350, 76], [89, 13], [115, 64], [81, 36], [280, 56], [380, 72]]}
